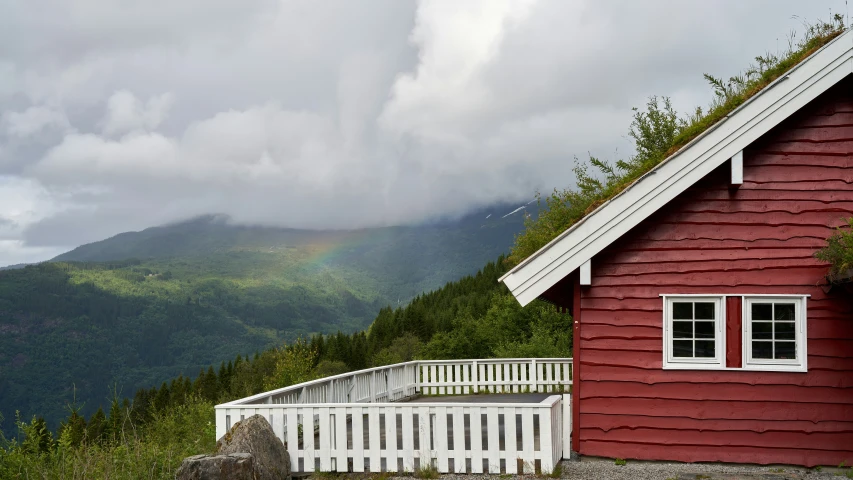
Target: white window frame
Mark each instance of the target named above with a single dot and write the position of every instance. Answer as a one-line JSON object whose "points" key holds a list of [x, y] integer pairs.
{"points": [[800, 364], [677, 363]]}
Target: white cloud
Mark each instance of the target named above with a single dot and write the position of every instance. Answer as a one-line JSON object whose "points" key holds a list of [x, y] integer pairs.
{"points": [[23, 202], [456, 43], [126, 113], [33, 120]]}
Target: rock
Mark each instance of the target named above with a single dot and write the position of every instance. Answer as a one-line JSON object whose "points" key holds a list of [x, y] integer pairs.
{"points": [[235, 466], [254, 436]]}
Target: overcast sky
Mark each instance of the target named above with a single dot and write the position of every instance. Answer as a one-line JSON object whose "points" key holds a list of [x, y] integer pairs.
{"points": [[117, 115]]}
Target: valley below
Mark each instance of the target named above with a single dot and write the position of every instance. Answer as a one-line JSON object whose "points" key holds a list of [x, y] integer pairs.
{"points": [[140, 308]]}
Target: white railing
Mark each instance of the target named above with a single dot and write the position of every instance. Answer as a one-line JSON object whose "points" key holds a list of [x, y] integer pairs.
{"points": [[528, 375], [353, 427]]}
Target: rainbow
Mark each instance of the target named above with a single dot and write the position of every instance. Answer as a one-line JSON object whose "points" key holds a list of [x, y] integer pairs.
{"points": [[337, 245]]}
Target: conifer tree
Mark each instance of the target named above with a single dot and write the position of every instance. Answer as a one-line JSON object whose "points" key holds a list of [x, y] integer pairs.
{"points": [[210, 385], [162, 398], [96, 430], [72, 429]]}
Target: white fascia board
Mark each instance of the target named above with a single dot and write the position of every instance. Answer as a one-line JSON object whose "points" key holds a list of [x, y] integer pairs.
{"points": [[615, 217]]}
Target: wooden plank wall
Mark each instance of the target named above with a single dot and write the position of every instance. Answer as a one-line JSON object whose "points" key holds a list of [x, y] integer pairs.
{"points": [[798, 183]]}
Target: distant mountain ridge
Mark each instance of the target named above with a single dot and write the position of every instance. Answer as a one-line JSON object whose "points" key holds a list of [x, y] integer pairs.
{"points": [[15, 266], [213, 233], [142, 307]]}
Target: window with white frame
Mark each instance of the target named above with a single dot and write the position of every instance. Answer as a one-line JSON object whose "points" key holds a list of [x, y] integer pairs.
{"points": [[775, 333], [693, 332]]}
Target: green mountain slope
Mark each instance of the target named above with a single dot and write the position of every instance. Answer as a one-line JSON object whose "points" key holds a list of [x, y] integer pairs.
{"points": [[195, 293]]}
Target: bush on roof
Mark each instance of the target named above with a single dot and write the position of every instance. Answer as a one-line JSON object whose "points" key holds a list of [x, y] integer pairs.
{"points": [[839, 251], [657, 133]]}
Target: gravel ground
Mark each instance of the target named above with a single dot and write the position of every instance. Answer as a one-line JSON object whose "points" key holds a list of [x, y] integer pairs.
{"points": [[606, 469]]}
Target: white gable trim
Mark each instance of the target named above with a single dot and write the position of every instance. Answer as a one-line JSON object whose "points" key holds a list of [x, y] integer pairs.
{"points": [[614, 218]]}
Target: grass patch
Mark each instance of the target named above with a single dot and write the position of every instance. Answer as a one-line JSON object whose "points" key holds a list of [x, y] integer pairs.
{"points": [[621, 462], [557, 472], [427, 471], [327, 475]]}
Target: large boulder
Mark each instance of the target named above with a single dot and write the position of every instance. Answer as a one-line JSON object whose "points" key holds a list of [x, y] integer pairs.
{"points": [[236, 466], [250, 446], [254, 435]]}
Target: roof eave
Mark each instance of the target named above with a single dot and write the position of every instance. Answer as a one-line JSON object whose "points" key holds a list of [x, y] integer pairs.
{"points": [[770, 90]]}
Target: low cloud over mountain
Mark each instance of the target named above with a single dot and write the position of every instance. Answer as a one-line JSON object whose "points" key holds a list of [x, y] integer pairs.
{"points": [[116, 116]]}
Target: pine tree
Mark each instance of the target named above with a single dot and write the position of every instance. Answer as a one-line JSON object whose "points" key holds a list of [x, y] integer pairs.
{"points": [[72, 430], [162, 398], [222, 378], [96, 430], [210, 385], [115, 421], [141, 407]]}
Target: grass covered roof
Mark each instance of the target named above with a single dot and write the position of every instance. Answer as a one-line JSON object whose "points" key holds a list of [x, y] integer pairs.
{"points": [[658, 133]]}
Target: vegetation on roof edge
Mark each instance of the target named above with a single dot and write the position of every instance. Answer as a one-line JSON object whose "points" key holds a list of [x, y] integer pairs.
{"points": [[657, 133]]}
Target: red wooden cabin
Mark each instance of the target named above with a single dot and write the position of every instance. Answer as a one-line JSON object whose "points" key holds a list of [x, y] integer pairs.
{"points": [[704, 328]]}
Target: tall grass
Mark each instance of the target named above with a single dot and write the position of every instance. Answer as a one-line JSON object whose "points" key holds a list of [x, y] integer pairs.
{"points": [[154, 451]]}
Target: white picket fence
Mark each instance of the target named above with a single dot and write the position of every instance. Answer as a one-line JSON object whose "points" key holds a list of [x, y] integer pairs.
{"points": [[347, 423]]}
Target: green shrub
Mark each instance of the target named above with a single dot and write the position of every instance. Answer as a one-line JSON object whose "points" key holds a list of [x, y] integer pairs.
{"points": [[839, 250]]}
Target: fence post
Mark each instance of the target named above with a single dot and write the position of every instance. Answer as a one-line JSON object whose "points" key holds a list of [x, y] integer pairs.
{"points": [[417, 370], [567, 426], [535, 376], [475, 376]]}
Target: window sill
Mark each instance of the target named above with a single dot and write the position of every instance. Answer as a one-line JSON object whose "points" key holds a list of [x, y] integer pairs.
{"points": [[745, 368], [762, 367], [693, 366]]}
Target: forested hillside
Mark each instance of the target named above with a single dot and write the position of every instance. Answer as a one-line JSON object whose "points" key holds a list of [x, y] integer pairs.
{"points": [[203, 291], [148, 436]]}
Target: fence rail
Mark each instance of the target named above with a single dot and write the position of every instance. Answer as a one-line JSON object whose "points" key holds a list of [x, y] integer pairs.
{"points": [[348, 423]]}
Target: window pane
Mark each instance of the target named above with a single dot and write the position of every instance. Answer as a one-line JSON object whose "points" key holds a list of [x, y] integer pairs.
{"points": [[785, 351], [682, 348], [704, 311], [784, 311], [705, 348], [704, 329], [762, 330], [762, 311], [682, 329], [784, 330], [762, 349], [682, 310]]}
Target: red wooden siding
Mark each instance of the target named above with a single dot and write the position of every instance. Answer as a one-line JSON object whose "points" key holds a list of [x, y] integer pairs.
{"points": [[760, 238], [734, 334]]}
